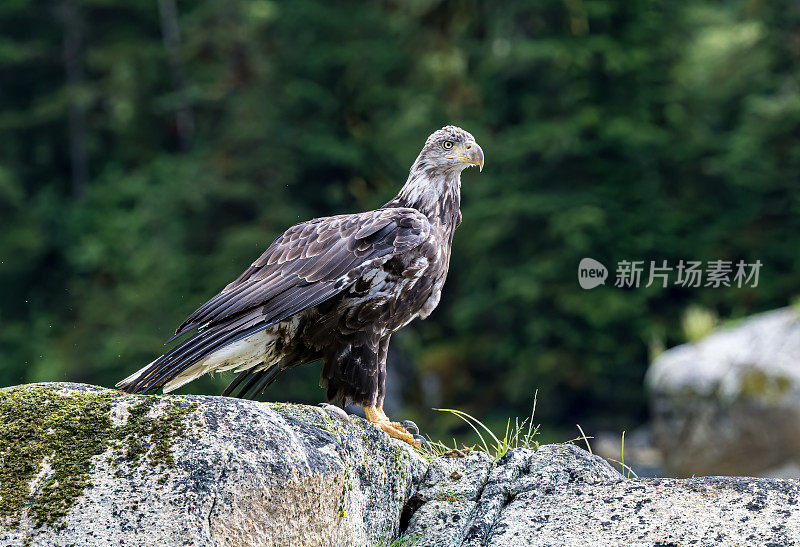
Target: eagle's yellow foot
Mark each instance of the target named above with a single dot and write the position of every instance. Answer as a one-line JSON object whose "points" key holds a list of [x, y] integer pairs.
{"points": [[397, 430]]}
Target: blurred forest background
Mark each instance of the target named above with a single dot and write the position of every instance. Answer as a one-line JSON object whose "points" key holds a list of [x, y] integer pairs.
{"points": [[151, 149]]}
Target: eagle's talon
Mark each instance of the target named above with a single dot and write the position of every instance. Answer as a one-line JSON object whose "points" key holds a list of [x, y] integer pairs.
{"points": [[410, 426], [393, 429], [423, 442], [376, 415], [334, 410]]}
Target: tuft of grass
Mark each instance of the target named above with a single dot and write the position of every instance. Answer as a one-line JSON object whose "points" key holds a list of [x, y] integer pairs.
{"points": [[438, 448], [627, 471], [520, 435]]}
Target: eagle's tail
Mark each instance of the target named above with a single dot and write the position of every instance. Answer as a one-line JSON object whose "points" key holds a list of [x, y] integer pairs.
{"points": [[252, 381], [257, 382], [239, 343]]}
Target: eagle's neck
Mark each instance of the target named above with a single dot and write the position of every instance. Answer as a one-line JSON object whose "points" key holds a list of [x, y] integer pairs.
{"points": [[434, 193]]}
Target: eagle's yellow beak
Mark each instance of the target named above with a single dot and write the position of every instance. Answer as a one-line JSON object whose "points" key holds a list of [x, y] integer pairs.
{"points": [[469, 153], [475, 153]]}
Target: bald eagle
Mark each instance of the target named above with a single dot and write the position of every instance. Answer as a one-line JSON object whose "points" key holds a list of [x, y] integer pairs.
{"points": [[332, 289]]}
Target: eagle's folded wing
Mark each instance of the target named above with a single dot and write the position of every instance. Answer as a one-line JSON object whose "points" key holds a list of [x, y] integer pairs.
{"points": [[308, 264]]}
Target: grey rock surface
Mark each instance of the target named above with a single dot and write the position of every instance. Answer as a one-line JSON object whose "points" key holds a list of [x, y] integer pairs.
{"points": [[90, 466], [448, 494], [561, 495], [245, 473], [730, 403]]}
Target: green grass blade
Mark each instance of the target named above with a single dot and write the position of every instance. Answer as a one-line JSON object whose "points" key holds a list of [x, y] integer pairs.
{"points": [[585, 438], [459, 414], [467, 418]]}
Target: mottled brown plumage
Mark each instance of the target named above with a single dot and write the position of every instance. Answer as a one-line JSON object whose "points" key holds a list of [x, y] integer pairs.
{"points": [[331, 289]]}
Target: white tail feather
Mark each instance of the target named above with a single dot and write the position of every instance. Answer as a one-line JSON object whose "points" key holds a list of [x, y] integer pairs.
{"points": [[242, 355], [130, 379]]}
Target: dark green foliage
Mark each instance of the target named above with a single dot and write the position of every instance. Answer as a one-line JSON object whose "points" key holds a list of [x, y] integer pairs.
{"points": [[616, 130]]}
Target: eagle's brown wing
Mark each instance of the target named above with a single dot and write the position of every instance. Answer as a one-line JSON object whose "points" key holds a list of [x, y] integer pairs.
{"points": [[308, 264]]}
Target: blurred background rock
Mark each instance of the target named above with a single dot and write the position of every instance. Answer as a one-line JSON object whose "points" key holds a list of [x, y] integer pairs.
{"points": [[152, 149], [730, 403]]}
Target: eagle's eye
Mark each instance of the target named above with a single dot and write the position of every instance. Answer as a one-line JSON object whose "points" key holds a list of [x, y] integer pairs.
{"points": [[447, 145]]}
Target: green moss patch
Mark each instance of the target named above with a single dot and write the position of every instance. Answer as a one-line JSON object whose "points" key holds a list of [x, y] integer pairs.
{"points": [[48, 438], [758, 385], [151, 437]]}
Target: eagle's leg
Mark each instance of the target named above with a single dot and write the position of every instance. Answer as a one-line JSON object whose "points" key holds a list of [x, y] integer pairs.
{"points": [[376, 415]]}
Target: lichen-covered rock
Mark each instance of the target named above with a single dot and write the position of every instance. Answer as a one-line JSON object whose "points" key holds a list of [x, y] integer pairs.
{"points": [[730, 403], [90, 466], [561, 495], [471, 515], [652, 512], [446, 499]]}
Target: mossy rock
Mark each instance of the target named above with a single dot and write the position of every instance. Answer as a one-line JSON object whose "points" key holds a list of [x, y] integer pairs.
{"points": [[85, 465], [50, 433]]}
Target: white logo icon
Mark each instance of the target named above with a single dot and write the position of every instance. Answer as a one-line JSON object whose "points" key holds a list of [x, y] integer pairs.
{"points": [[591, 273]]}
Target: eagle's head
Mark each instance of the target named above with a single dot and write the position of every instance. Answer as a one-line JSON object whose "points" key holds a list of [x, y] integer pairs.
{"points": [[450, 149], [436, 175]]}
